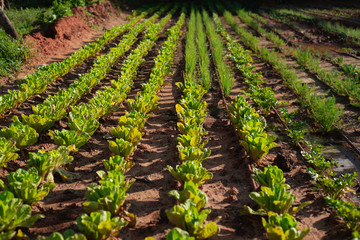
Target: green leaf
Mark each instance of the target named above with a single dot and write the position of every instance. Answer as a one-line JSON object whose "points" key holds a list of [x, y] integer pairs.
{"points": [[39, 123], [130, 134], [25, 184], [118, 163], [69, 137], [13, 214], [186, 216], [190, 171], [67, 235], [178, 234], [7, 151], [121, 147], [100, 225], [49, 162], [22, 135]]}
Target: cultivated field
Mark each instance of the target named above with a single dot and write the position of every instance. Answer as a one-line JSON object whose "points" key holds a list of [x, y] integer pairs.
{"points": [[189, 122]]}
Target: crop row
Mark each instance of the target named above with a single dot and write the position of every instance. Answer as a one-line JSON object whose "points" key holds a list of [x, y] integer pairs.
{"points": [[187, 215], [274, 198], [349, 72], [216, 43]]}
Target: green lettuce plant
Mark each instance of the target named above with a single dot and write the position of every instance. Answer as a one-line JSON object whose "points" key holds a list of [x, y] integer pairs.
{"points": [[178, 234], [193, 153], [121, 147], [192, 129], [69, 138], [187, 217], [271, 176], [276, 199], [48, 163], [133, 119], [190, 171], [259, 146], [190, 191], [37, 122], [192, 139], [145, 103], [284, 226], [22, 135], [117, 163], [130, 134], [25, 184], [67, 235], [109, 195], [80, 123], [99, 225], [7, 151], [13, 215]]}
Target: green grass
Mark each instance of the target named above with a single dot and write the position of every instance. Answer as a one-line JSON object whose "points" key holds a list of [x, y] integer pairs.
{"points": [[217, 48], [190, 48], [204, 59], [13, 52]]}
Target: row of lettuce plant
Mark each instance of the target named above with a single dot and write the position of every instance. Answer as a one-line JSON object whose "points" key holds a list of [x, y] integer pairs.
{"points": [[37, 82], [109, 195], [54, 107], [323, 110], [339, 82], [249, 124], [128, 132], [250, 127], [274, 198], [188, 215], [262, 96], [105, 199], [217, 49], [83, 119], [29, 186], [276, 202], [334, 186]]}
